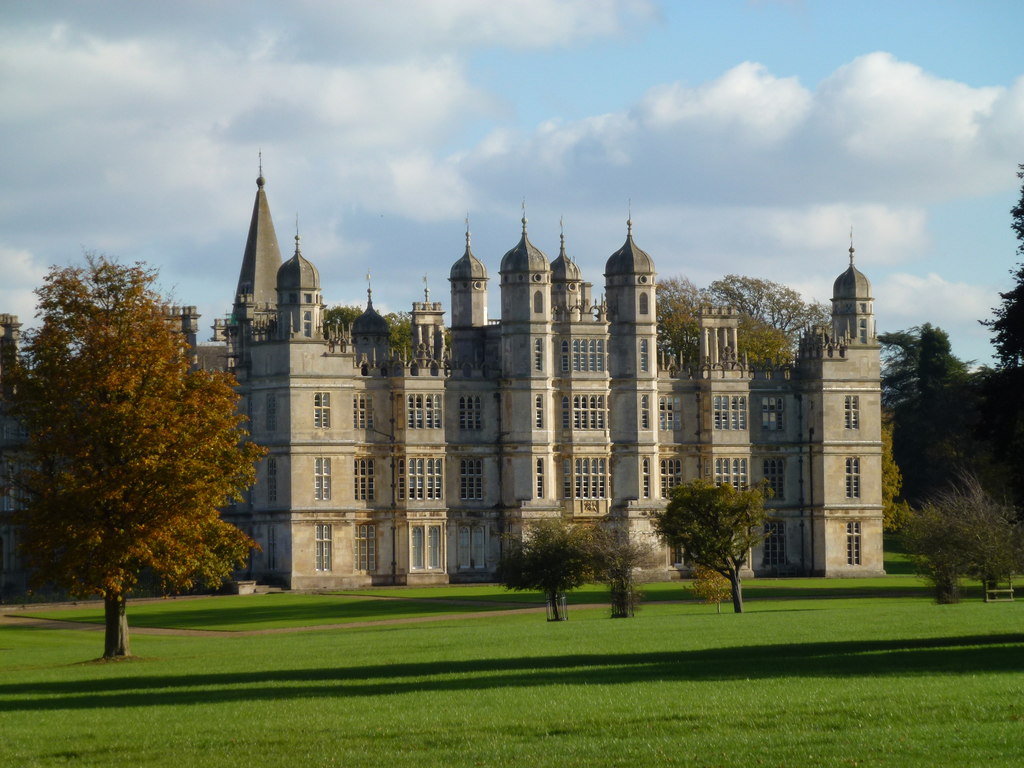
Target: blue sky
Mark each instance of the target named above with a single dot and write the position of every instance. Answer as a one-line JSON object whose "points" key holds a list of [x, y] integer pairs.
{"points": [[745, 137]]}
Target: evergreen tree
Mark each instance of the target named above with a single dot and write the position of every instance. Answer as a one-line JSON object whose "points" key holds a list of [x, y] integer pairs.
{"points": [[933, 401], [1003, 421]]}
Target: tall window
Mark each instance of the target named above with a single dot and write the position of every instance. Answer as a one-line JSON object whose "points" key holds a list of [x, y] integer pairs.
{"points": [[538, 302], [271, 413], [775, 477], [671, 476], [272, 548], [363, 479], [425, 479], [323, 547], [645, 356], [862, 331], [731, 472], [538, 412], [669, 414], [853, 478], [565, 356], [539, 479], [853, 543], [271, 480], [471, 546], [774, 549], [645, 478], [566, 415], [426, 546], [307, 324], [771, 414], [470, 412], [416, 545], [587, 354], [423, 412], [645, 411], [851, 412], [730, 412], [362, 412], [645, 304], [471, 479], [588, 412], [538, 354], [366, 547], [322, 410], [585, 478], [321, 479]]}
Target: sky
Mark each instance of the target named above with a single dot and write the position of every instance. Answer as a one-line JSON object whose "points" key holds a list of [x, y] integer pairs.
{"points": [[740, 136]]}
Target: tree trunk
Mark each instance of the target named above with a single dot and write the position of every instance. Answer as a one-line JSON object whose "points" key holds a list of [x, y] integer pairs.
{"points": [[737, 590], [115, 644]]}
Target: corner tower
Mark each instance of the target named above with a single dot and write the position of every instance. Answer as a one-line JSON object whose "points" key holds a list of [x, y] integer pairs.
{"points": [[633, 335]]}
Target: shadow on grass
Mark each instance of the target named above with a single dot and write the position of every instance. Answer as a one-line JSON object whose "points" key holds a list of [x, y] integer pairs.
{"points": [[963, 655], [219, 616]]}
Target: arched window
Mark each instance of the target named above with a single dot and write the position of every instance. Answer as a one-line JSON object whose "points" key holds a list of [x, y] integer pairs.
{"points": [[644, 304], [538, 302]]}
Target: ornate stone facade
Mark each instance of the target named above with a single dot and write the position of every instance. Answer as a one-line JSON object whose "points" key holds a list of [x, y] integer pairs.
{"points": [[413, 468]]}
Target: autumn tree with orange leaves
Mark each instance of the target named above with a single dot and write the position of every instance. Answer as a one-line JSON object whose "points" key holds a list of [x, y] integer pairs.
{"points": [[130, 452]]}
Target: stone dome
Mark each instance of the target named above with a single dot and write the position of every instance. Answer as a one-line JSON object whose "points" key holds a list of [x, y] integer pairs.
{"points": [[469, 267], [370, 323], [629, 259], [298, 273], [525, 257], [564, 269], [852, 284]]}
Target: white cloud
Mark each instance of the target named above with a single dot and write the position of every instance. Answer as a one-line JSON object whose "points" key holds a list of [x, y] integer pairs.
{"points": [[912, 299], [747, 101]]}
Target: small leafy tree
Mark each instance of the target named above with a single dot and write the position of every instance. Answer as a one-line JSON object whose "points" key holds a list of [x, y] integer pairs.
{"points": [[553, 557], [710, 586], [716, 525], [961, 532], [130, 452], [895, 511], [617, 558]]}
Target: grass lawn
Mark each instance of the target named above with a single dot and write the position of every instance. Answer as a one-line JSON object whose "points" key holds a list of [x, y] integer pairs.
{"points": [[829, 682]]}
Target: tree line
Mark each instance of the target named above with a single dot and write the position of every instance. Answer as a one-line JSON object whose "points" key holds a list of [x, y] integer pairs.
{"points": [[957, 434]]}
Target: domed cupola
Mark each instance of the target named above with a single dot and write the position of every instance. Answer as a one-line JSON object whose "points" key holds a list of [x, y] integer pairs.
{"points": [[298, 296], [852, 284], [469, 267], [853, 314], [525, 257], [564, 269], [370, 333], [298, 273], [629, 259], [468, 279], [370, 323]]}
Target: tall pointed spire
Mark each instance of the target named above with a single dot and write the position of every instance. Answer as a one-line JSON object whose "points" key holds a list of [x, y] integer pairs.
{"points": [[262, 258]]}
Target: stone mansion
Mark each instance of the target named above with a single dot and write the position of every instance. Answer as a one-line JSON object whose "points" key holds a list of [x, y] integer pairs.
{"points": [[414, 467]]}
